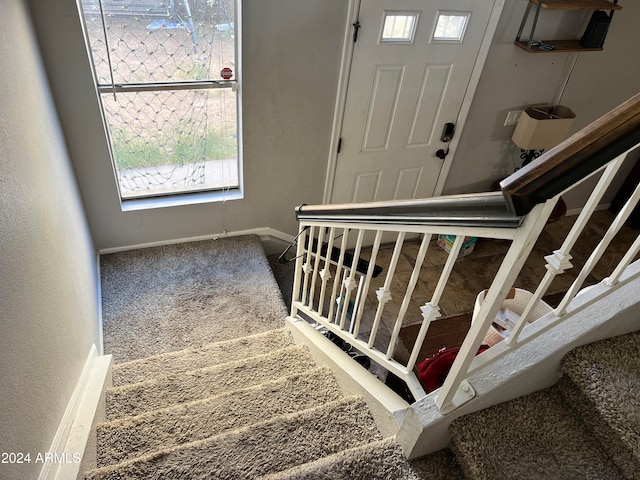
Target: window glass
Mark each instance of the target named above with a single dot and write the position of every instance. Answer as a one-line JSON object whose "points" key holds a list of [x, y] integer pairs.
{"points": [[167, 73], [399, 27], [450, 26]]}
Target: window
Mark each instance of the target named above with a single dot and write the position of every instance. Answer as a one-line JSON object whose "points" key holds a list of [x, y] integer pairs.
{"points": [[399, 27], [167, 73], [450, 26]]}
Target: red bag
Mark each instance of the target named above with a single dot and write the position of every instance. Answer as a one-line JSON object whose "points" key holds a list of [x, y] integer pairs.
{"points": [[433, 371]]}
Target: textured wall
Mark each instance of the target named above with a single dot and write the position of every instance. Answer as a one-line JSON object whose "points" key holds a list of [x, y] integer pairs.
{"points": [[291, 58], [291, 53], [512, 78], [48, 278]]}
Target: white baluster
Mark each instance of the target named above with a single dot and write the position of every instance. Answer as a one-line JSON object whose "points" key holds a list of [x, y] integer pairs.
{"points": [[431, 310], [307, 265], [407, 296], [597, 253], [298, 270], [334, 290], [560, 260], [612, 279], [351, 283], [315, 267], [384, 293], [325, 273], [524, 239], [372, 264]]}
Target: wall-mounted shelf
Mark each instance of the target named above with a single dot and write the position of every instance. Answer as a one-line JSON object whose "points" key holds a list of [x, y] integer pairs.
{"points": [[547, 46]]}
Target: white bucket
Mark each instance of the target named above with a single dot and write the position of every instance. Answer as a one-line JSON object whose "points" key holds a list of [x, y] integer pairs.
{"points": [[516, 301]]}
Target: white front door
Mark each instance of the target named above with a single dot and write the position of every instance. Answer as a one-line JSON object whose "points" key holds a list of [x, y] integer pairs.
{"points": [[411, 68]]}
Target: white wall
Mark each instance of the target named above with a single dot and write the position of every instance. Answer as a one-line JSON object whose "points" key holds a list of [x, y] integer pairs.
{"points": [[48, 279], [291, 56], [291, 53], [513, 78]]}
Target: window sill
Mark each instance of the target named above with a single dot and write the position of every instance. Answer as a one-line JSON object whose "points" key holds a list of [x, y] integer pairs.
{"points": [[134, 204]]}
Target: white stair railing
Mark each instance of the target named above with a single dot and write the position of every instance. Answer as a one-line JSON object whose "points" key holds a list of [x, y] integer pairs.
{"points": [[335, 281], [456, 389], [344, 311]]}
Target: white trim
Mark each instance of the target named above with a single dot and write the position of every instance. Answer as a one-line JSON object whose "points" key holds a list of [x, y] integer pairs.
{"points": [[478, 66], [75, 426], [264, 233], [343, 83], [183, 198], [99, 297], [387, 407], [341, 98]]}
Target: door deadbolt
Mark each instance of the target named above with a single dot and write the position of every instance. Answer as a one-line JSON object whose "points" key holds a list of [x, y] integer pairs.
{"points": [[447, 132]]}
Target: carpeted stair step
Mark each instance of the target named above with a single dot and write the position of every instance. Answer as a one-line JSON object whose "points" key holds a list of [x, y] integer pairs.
{"points": [[200, 357], [166, 298], [131, 437], [440, 465], [532, 436], [379, 460], [602, 385], [163, 392], [260, 449]]}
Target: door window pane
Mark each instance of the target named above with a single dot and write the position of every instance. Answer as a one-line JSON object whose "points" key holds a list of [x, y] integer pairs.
{"points": [[450, 26], [399, 27]]}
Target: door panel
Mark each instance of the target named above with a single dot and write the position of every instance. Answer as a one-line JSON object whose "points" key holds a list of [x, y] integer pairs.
{"points": [[366, 187], [429, 105], [410, 71], [407, 183], [382, 104]]}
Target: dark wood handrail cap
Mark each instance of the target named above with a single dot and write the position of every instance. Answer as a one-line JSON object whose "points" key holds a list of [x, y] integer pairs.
{"points": [[574, 159]]}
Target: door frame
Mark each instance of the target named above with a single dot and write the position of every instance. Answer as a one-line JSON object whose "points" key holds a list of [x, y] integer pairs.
{"points": [[343, 84]]}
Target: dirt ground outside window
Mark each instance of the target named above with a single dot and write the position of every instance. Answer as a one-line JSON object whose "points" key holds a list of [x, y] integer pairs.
{"points": [[166, 140]]}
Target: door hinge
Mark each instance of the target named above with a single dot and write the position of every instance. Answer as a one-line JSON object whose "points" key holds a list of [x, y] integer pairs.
{"points": [[339, 144], [356, 29]]}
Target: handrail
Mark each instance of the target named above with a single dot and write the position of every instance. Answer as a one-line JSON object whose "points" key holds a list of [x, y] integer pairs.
{"points": [[478, 209], [343, 301], [574, 159], [549, 175]]}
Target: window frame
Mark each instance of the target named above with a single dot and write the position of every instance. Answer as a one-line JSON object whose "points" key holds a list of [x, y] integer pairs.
{"points": [[161, 199], [451, 13], [415, 14]]}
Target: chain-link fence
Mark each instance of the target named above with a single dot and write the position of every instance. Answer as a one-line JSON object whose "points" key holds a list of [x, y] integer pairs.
{"points": [[166, 140]]}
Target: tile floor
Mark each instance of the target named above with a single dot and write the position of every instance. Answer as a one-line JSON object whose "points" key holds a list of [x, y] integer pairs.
{"points": [[471, 274]]}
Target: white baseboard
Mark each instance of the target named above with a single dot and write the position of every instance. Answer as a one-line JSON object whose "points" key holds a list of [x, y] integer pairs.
{"points": [[387, 408], [577, 211], [77, 427], [267, 235], [99, 297]]}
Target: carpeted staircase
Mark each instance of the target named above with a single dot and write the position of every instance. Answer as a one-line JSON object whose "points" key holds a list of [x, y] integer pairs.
{"points": [[268, 410], [258, 406], [587, 426]]}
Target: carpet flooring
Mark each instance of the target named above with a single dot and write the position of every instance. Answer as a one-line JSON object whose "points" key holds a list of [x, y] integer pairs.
{"points": [[584, 427], [209, 385], [235, 402], [162, 299], [260, 416]]}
